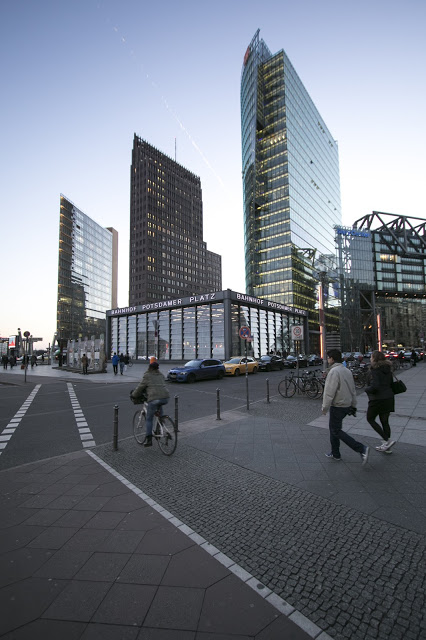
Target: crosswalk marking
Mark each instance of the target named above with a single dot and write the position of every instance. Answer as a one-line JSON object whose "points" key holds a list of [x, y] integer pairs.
{"points": [[85, 433], [10, 429]]}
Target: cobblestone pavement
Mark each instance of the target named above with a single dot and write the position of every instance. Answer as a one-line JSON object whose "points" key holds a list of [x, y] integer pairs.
{"points": [[353, 575]]}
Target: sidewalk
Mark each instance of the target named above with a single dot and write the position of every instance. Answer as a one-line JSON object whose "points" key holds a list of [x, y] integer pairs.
{"points": [[248, 531]]}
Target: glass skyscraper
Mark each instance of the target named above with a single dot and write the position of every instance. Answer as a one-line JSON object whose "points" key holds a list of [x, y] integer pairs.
{"points": [[87, 274], [291, 185]]}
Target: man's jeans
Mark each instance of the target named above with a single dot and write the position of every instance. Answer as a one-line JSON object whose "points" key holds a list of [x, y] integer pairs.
{"points": [[336, 433], [153, 406]]}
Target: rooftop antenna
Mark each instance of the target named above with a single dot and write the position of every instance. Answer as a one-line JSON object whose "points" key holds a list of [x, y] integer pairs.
{"points": [[175, 150]]}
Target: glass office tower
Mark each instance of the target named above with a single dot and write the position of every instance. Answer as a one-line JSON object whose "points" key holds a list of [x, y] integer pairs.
{"points": [[87, 271], [291, 186]]}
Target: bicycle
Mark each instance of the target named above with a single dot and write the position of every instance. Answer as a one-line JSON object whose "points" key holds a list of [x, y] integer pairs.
{"points": [[163, 429], [130, 363], [306, 384]]}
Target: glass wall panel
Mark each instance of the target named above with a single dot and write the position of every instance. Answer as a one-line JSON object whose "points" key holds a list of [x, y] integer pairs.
{"points": [[263, 333], [164, 335], [141, 337], [131, 336], [176, 334], [204, 342], [218, 331], [152, 327], [122, 335], [279, 333], [235, 327], [114, 336], [253, 347], [272, 343], [189, 339]]}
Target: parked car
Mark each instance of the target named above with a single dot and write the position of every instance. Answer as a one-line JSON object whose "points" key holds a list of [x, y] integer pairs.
{"points": [[314, 360], [236, 366], [270, 363], [197, 370], [291, 361]]}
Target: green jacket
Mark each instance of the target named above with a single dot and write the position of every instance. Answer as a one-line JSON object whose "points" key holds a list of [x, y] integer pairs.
{"points": [[153, 384]]}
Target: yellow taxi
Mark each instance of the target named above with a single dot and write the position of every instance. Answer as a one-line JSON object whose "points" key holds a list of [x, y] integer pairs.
{"points": [[237, 366]]}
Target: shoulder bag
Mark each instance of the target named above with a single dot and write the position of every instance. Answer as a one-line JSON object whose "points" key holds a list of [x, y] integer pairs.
{"points": [[398, 386]]}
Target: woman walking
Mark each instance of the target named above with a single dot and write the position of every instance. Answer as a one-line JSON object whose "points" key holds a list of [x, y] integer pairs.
{"points": [[381, 400]]}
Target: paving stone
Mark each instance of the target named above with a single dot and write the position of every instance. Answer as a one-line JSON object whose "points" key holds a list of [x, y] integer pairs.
{"points": [[18, 536], [193, 567], [105, 520], [125, 604], [53, 538], [103, 566], [175, 608], [21, 563], [78, 601], [95, 631], [26, 600], [122, 541], [48, 630], [44, 517], [144, 569], [165, 539], [63, 564]]}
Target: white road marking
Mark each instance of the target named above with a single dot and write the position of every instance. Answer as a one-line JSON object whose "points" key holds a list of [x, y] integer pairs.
{"points": [[85, 433], [10, 429]]}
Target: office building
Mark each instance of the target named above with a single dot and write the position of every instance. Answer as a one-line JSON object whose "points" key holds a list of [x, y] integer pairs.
{"points": [[382, 269], [205, 325], [168, 257], [291, 184], [87, 275]]}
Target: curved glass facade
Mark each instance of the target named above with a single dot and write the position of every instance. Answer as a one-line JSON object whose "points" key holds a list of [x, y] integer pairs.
{"points": [[85, 274], [291, 184]]}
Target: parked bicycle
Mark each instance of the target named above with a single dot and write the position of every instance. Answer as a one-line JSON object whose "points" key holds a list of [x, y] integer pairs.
{"points": [[163, 429], [306, 384]]}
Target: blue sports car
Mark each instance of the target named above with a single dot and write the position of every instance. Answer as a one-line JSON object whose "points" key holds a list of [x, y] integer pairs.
{"points": [[197, 370]]}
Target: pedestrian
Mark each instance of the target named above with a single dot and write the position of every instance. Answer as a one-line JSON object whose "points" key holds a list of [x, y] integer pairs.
{"points": [[340, 398], [126, 361], [33, 360], [153, 385], [12, 361], [414, 357], [121, 363], [5, 361], [84, 363], [115, 360], [381, 399]]}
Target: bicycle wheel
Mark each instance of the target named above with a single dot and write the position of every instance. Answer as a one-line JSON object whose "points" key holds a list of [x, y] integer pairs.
{"points": [[167, 440], [312, 389], [287, 388], [139, 426]]}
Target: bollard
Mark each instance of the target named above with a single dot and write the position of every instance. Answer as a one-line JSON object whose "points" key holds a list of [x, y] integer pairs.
{"points": [[218, 404], [267, 390], [176, 413], [115, 438]]}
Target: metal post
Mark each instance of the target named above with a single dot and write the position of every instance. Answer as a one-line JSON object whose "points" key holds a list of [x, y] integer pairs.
{"points": [[177, 413], [247, 388], [115, 437], [267, 390], [218, 404]]}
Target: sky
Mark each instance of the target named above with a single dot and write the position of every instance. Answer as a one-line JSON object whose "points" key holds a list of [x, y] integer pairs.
{"points": [[80, 78]]}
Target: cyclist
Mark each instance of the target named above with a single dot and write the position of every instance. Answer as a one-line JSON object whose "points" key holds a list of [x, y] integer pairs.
{"points": [[153, 384]]}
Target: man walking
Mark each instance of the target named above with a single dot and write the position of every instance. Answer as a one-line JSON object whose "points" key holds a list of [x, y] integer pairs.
{"points": [[340, 398]]}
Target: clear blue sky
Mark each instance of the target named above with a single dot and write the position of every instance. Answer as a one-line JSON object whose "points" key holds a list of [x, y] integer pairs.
{"points": [[80, 77]]}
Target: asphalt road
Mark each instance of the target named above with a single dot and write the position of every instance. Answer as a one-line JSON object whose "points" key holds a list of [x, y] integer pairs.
{"points": [[48, 427]]}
